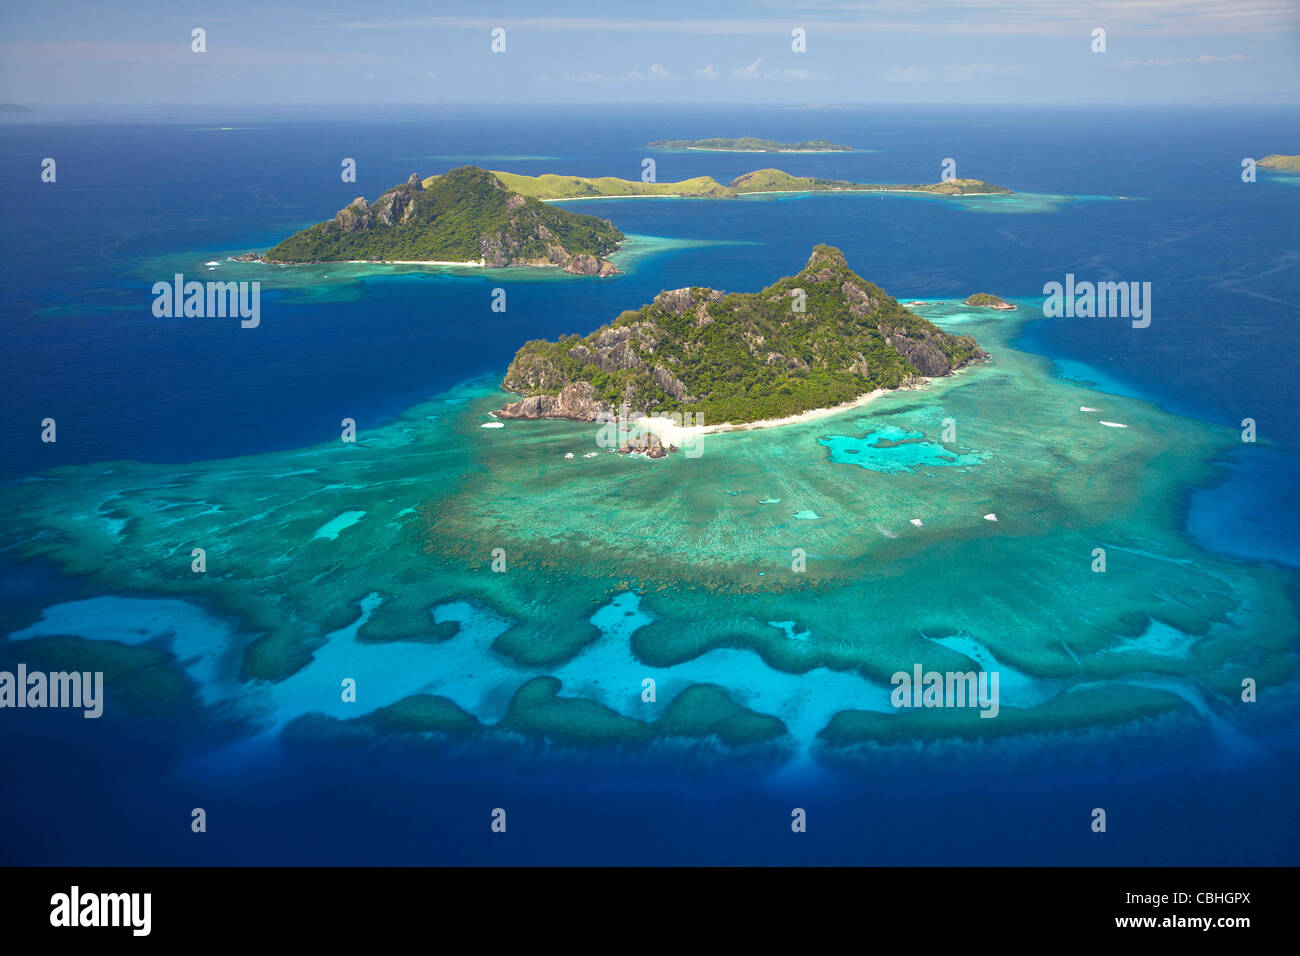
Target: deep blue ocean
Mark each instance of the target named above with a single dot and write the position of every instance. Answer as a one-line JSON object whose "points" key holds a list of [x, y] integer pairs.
{"points": [[79, 344]]}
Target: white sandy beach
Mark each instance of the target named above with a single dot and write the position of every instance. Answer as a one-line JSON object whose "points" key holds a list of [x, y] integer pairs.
{"points": [[412, 262], [368, 262], [672, 433]]}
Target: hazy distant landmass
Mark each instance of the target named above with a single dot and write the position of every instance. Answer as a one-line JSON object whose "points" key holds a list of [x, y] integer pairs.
{"points": [[1287, 164], [776, 180], [14, 108], [751, 144], [552, 186]]}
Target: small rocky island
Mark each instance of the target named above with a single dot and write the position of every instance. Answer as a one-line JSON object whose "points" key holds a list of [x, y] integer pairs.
{"points": [[466, 216], [751, 144], [985, 300], [818, 339]]}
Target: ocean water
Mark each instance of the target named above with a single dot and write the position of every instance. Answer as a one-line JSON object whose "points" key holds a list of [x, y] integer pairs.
{"points": [[371, 561]]}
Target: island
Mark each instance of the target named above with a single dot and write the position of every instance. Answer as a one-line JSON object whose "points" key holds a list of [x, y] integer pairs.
{"points": [[1285, 164], [465, 217], [751, 144], [985, 300], [779, 181], [554, 188], [551, 186], [820, 339]]}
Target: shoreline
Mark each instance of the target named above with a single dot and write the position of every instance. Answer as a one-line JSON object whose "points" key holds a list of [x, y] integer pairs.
{"points": [[724, 149], [634, 196], [868, 189], [775, 192], [717, 149], [666, 430], [481, 264]]}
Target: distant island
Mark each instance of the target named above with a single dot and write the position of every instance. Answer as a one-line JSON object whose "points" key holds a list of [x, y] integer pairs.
{"points": [[476, 217], [553, 187], [751, 144], [985, 300], [778, 181], [816, 340], [1286, 164], [466, 217]]}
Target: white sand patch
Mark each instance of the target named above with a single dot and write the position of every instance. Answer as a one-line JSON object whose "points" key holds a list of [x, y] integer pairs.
{"points": [[416, 262], [684, 435], [202, 643], [331, 529]]}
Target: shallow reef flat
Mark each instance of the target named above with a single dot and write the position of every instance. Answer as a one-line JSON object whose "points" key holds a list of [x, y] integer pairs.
{"points": [[374, 560]]}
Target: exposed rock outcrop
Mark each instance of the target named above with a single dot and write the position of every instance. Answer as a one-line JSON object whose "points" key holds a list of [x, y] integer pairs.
{"points": [[576, 401]]}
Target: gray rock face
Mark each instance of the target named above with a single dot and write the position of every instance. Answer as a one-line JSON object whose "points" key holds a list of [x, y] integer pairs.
{"points": [[681, 301], [927, 358], [354, 217], [860, 303], [576, 401], [671, 384]]}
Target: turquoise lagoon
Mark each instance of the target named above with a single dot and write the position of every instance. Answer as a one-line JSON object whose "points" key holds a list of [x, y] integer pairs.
{"points": [[374, 561]]}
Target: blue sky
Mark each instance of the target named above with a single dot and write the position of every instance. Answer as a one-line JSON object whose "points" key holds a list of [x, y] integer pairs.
{"points": [[664, 51]]}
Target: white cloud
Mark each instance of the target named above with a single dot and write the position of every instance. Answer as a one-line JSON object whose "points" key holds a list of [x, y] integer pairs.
{"points": [[755, 71], [657, 71], [1203, 58], [708, 72], [947, 74]]}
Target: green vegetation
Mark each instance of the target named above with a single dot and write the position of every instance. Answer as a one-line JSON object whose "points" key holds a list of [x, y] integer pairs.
{"points": [[988, 300], [776, 180], [1286, 164], [551, 186], [465, 216], [744, 357], [751, 144]]}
